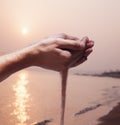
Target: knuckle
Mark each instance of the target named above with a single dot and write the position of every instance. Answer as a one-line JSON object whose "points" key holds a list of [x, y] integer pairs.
{"points": [[57, 41], [63, 35], [67, 55]]}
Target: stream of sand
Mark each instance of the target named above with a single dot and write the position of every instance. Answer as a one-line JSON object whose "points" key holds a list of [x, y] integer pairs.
{"points": [[64, 75]]}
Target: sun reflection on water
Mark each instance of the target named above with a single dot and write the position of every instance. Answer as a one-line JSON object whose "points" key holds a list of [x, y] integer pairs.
{"points": [[21, 99]]}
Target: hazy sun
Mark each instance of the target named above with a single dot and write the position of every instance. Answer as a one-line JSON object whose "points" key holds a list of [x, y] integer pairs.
{"points": [[24, 31]]}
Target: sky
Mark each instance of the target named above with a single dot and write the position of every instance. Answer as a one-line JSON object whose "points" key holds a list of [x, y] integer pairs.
{"points": [[23, 22]]}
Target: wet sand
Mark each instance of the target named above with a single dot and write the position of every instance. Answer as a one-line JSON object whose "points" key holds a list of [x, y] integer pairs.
{"points": [[112, 118]]}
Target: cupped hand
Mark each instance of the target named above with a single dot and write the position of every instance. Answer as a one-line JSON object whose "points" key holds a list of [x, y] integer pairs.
{"points": [[61, 51]]}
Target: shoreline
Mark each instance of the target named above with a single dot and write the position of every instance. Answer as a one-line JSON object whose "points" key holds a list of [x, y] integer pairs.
{"points": [[112, 118], [111, 74]]}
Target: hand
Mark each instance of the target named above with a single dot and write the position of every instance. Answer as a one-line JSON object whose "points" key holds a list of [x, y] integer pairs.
{"points": [[60, 51]]}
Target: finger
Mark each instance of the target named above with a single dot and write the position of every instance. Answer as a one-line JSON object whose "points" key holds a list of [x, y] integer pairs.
{"points": [[78, 62], [88, 52], [75, 58], [68, 44], [65, 36], [79, 56], [84, 42], [85, 39], [90, 44], [63, 53], [72, 37]]}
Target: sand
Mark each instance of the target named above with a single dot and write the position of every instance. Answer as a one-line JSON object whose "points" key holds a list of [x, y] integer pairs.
{"points": [[112, 118]]}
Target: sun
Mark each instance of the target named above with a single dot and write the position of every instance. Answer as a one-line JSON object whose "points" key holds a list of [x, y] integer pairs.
{"points": [[24, 31]]}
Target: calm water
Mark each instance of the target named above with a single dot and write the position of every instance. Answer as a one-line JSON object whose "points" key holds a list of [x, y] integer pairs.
{"points": [[31, 96]]}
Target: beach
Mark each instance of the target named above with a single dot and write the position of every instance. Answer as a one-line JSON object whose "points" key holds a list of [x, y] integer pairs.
{"points": [[32, 96]]}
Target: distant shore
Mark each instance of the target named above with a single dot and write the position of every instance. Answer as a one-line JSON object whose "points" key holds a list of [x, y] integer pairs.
{"points": [[112, 118], [113, 74]]}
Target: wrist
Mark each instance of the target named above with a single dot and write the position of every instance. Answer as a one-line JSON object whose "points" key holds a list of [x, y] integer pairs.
{"points": [[12, 63], [18, 60], [24, 57]]}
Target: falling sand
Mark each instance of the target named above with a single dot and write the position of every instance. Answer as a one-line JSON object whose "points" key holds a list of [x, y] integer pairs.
{"points": [[64, 75]]}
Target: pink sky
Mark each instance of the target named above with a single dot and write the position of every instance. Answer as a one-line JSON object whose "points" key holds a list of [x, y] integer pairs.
{"points": [[97, 19]]}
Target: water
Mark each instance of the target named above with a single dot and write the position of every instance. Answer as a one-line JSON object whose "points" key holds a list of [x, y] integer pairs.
{"points": [[29, 97]]}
